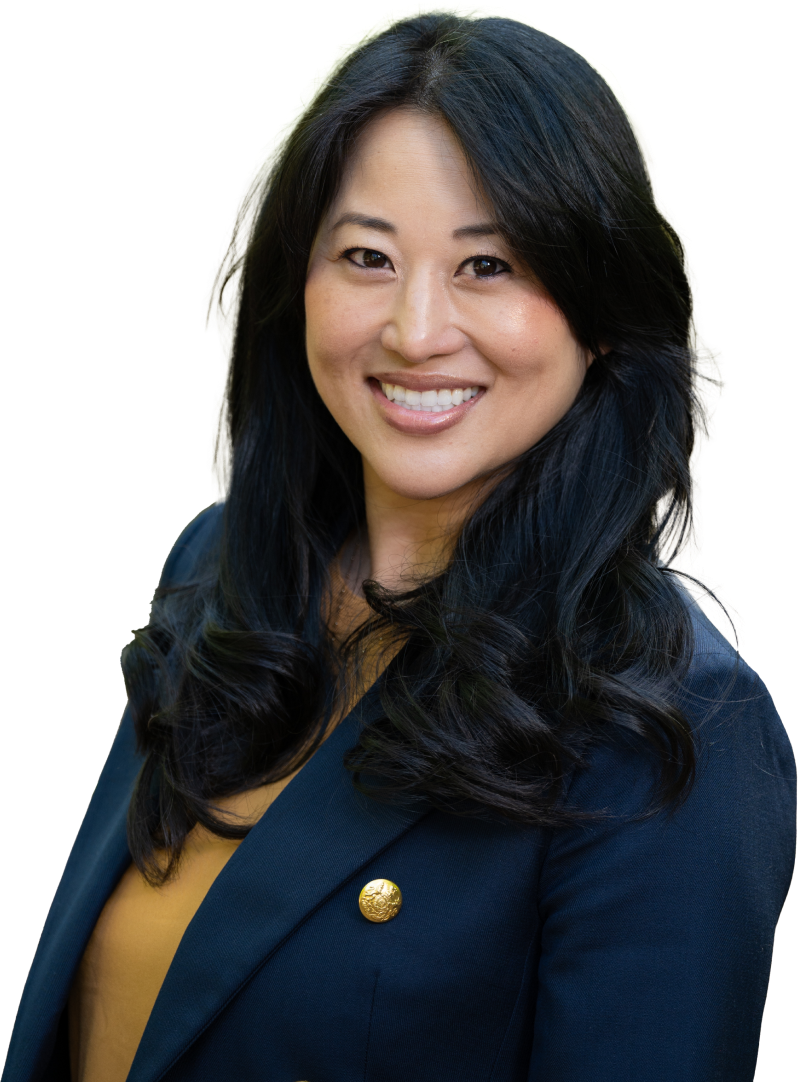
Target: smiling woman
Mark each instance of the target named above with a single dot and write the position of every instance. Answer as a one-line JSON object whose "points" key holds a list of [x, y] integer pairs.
{"points": [[408, 270], [431, 770]]}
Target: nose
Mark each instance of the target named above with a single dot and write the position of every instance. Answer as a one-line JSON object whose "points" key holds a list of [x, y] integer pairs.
{"points": [[421, 324]]}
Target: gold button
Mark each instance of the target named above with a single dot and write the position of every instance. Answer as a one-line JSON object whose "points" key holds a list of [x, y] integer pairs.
{"points": [[380, 900]]}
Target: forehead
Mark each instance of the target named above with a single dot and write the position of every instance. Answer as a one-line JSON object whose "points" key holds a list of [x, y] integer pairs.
{"points": [[408, 161], [406, 143], [397, 132]]}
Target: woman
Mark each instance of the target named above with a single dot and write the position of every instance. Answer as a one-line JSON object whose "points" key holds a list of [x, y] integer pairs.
{"points": [[430, 768]]}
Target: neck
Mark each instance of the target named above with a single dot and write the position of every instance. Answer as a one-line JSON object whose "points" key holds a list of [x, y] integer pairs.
{"points": [[408, 539], [351, 564]]}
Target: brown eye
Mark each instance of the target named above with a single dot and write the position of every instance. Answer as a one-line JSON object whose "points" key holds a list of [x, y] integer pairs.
{"points": [[374, 260], [484, 267]]}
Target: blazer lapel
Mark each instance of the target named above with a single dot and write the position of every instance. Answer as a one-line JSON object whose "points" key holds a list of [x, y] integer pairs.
{"points": [[317, 834], [98, 859]]}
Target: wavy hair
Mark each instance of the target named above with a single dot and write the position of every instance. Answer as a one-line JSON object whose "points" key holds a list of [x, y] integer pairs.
{"points": [[555, 624]]}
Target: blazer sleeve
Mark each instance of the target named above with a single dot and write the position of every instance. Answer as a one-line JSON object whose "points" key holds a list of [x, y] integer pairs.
{"points": [[657, 933]]}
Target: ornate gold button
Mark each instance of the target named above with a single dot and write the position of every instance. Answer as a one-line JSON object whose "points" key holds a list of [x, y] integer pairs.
{"points": [[380, 900]]}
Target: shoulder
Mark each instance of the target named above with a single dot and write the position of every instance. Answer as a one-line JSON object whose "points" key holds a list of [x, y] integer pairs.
{"points": [[725, 853], [745, 777], [192, 548], [723, 698]]}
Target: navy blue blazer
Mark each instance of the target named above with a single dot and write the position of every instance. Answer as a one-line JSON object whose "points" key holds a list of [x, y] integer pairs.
{"points": [[620, 951]]}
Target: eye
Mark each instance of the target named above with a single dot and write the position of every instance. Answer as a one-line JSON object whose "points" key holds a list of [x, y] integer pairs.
{"points": [[486, 266], [367, 257]]}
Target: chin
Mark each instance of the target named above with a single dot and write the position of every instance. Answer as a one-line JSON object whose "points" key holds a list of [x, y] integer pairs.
{"points": [[424, 484]]}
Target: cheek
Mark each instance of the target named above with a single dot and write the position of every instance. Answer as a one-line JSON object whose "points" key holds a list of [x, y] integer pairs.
{"points": [[519, 327], [324, 324], [532, 344], [335, 326]]}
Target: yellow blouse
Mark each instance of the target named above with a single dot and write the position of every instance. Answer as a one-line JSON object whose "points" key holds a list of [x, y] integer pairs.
{"points": [[140, 927]]}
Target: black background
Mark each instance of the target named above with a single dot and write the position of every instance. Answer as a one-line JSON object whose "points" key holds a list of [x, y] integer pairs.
{"points": [[133, 154]]}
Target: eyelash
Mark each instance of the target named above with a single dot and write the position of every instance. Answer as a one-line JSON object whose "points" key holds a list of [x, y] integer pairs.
{"points": [[506, 267]]}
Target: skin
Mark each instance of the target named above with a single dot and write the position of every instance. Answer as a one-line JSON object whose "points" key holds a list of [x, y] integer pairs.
{"points": [[408, 282]]}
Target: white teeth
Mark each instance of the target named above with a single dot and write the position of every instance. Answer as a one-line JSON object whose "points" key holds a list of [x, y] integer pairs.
{"points": [[428, 401]]}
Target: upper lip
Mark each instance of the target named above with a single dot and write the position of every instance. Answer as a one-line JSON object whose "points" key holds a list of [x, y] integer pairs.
{"points": [[426, 381]]}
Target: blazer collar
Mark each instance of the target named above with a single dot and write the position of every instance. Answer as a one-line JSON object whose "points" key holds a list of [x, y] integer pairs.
{"points": [[318, 833]]}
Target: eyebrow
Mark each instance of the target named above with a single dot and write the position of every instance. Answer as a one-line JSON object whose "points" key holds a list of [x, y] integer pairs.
{"points": [[479, 229]]}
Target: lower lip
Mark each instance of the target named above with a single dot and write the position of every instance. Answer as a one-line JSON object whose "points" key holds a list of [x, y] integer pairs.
{"points": [[418, 422]]}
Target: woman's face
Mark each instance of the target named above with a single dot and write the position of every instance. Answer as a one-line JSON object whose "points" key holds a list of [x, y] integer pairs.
{"points": [[440, 358]]}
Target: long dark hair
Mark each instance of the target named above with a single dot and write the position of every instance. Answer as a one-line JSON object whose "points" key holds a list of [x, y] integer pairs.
{"points": [[555, 624]]}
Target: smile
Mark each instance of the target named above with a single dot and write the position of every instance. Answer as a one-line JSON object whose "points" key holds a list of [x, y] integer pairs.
{"points": [[424, 413], [437, 401]]}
